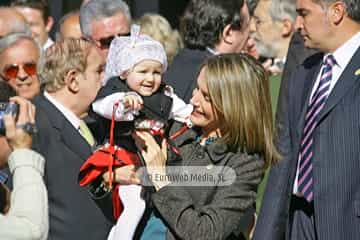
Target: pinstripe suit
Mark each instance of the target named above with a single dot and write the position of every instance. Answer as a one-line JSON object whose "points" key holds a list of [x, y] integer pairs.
{"points": [[336, 160]]}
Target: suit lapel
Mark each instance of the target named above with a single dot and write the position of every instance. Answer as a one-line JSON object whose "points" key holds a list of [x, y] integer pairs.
{"points": [[72, 138], [308, 85], [69, 135], [345, 83]]}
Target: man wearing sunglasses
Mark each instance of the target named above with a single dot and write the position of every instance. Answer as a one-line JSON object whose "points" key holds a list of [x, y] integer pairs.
{"points": [[19, 57], [102, 20]]}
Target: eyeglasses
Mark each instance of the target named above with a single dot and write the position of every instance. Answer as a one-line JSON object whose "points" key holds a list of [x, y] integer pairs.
{"points": [[104, 43], [11, 71]]}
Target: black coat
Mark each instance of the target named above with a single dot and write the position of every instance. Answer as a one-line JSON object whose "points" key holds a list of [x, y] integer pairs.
{"points": [[182, 73], [156, 106]]}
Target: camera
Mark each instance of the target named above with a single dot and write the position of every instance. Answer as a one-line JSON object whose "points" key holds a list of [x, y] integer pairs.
{"points": [[6, 108]]}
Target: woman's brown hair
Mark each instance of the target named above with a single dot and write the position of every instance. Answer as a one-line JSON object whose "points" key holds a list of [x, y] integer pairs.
{"points": [[239, 90]]}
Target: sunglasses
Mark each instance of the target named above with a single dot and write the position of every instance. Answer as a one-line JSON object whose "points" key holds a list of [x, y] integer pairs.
{"points": [[12, 71], [104, 43]]}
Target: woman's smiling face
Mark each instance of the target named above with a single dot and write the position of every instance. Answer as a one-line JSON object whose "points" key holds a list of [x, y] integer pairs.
{"points": [[204, 114]]}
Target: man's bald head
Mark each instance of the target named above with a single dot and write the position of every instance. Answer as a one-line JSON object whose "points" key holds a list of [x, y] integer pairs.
{"points": [[11, 21], [69, 26]]}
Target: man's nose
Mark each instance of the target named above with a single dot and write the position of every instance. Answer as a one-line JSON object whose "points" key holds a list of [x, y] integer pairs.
{"points": [[252, 26], [298, 23], [22, 75]]}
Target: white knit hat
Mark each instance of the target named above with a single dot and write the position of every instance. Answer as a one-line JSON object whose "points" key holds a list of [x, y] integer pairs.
{"points": [[126, 52]]}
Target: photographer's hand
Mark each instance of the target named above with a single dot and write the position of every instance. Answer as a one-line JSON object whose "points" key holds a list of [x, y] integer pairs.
{"points": [[17, 137]]}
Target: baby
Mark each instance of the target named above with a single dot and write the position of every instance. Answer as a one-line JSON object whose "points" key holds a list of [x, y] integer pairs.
{"points": [[134, 94]]}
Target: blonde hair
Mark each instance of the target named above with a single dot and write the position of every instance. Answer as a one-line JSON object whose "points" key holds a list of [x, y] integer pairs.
{"points": [[157, 27], [239, 90], [60, 58]]}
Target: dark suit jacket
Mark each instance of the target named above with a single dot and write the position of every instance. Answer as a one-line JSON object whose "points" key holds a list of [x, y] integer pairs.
{"points": [[182, 73], [335, 162], [296, 55], [73, 214]]}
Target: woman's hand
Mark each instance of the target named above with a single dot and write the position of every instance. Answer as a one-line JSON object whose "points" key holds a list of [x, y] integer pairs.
{"points": [[154, 156], [19, 134]]}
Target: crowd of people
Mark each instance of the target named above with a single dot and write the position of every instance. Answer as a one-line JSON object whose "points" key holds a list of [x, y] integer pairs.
{"points": [[239, 125]]}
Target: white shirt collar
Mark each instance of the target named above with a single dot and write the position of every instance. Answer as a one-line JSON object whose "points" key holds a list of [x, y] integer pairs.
{"points": [[279, 63], [345, 52], [280, 60], [48, 43], [212, 51], [68, 114]]}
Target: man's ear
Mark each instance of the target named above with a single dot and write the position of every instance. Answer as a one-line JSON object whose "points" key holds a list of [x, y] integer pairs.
{"points": [[227, 34], [49, 24], [337, 11], [71, 80], [286, 27]]}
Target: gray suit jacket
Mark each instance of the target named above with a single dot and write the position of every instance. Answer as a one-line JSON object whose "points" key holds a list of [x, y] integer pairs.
{"points": [[210, 212], [73, 214], [335, 163]]}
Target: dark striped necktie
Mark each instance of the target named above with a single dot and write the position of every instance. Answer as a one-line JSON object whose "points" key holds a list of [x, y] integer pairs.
{"points": [[316, 104]]}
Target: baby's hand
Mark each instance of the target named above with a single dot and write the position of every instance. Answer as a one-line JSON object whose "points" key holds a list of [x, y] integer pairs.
{"points": [[133, 101]]}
